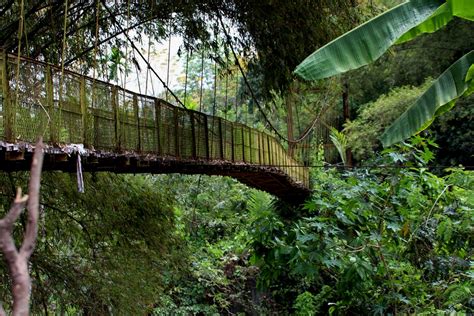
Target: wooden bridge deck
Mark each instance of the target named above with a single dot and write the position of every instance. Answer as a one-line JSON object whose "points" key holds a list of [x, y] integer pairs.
{"points": [[122, 131]]}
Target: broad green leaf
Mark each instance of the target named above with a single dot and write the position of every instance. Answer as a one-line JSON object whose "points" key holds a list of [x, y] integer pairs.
{"points": [[437, 20], [367, 42], [462, 8], [439, 97], [470, 74]]}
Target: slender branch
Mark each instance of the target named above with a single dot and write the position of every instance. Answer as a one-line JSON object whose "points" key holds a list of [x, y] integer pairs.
{"points": [[17, 261]]}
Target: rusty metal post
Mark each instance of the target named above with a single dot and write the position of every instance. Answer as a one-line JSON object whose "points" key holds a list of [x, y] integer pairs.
{"points": [[176, 133], [193, 135], [137, 121], [115, 108], [221, 139], [158, 126], [83, 102], [7, 105], [206, 136]]}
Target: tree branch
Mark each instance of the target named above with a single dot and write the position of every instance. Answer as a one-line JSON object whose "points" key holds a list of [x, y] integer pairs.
{"points": [[17, 261]]}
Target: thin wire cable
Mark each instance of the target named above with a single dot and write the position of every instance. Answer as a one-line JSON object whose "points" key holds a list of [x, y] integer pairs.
{"points": [[168, 64], [215, 90], [202, 79], [20, 34], [143, 57], [225, 103], [308, 130], [186, 77]]}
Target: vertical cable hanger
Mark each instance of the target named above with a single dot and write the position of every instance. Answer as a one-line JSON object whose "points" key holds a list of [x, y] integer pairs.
{"points": [[226, 86], [186, 77], [215, 90], [168, 64], [202, 79], [236, 95]]}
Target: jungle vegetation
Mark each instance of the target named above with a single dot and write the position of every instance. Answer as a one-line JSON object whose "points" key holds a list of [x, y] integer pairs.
{"points": [[390, 235]]}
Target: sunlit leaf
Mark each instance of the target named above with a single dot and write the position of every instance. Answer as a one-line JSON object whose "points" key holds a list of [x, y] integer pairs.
{"points": [[437, 20], [439, 97], [367, 42], [462, 8]]}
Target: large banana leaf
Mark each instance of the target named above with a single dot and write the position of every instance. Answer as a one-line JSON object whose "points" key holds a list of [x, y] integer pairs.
{"points": [[462, 8], [439, 98], [367, 42], [440, 18]]}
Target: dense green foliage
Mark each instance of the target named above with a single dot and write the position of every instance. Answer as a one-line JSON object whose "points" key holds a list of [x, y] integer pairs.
{"points": [[104, 251], [375, 241], [392, 238]]}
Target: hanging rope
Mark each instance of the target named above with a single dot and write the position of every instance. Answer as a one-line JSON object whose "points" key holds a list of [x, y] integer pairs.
{"points": [[186, 77], [225, 103], [141, 55], [202, 79], [20, 34], [307, 131], [96, 41], [235, 99], [215, 90], [168, 64]]}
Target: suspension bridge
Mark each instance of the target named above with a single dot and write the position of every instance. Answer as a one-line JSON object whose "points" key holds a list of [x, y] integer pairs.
{"points": [[114, 129]]}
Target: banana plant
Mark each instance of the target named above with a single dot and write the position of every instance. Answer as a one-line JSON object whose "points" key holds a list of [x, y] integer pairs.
{"points": [[367, 42]]}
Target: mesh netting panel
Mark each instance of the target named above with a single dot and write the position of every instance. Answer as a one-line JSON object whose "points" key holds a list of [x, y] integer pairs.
{"points": [[147, 115], [200, 130], [246, 143], [227, 139], [103, 117], [83, 110], [255, 146], [238, 142], [66, 115], [185, 134], [167, 130], [214, 138], [128, 121], [27, 101]]}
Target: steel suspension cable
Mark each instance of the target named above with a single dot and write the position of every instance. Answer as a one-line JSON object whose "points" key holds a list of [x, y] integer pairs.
{"points": [[143, 57], [168, 64], [186, 77], [215, 89], [202, 79], [307, 131]]}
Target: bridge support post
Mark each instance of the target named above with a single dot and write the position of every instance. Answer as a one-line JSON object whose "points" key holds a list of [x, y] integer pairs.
{"points": [[137, 122], [158, 126], [6, 104], [116, 117], [83, 101], [243, 142], [206, 136], [232, 141], [221, 140], [193, 134], [54, 124], [176, 133]]}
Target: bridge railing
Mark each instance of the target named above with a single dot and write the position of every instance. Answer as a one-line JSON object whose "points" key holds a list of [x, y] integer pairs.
{"points": [[66, 107]]}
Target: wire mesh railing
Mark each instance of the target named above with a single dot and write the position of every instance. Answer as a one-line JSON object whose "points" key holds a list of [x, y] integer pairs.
{"points": [[65, 107]]}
